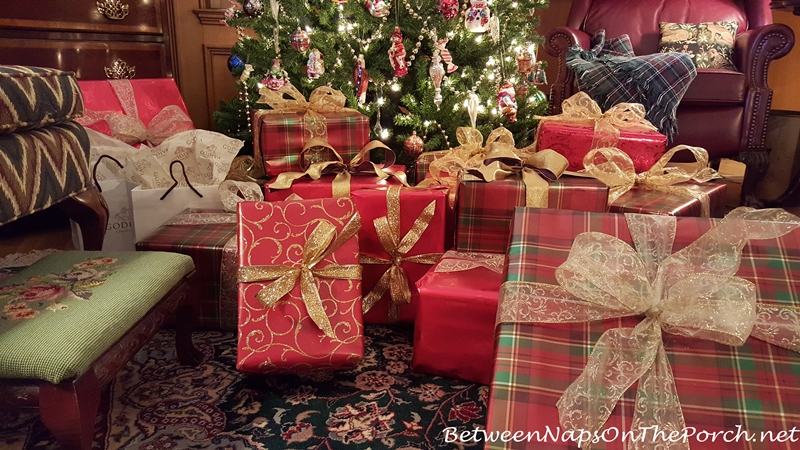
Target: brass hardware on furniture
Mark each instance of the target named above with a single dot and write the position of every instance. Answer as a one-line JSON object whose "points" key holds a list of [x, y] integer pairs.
{"points": [[120, 70], [113, 9]]}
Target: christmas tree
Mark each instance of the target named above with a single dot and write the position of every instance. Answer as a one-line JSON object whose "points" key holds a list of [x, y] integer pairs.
{"points": [[410, 65]]}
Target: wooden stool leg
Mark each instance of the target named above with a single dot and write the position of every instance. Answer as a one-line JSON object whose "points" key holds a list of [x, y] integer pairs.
{"points": [[89, 209], [69, 410]]}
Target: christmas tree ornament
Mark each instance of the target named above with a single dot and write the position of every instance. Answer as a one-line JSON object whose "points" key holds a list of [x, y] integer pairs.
{"points": [[276, 77], [506, 101], [378, 8], [478, 14], [253, 8], [299, 40], [537, 76], [494, 29], [235, 63], [437, 75], [473, 103], [361, 80], [538, 97], [524, 65], [414, 145], [447, 8], [315, 66], [521, 88], [446, 58], [397, 54]]}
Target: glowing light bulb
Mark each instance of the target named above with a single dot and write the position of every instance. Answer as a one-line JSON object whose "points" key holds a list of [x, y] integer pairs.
{"points": [[455, 107], [384, 133], [381, 100], [479, 38], [395, 87], [513, 80], [514, 5], [427, 123], [494, 111], [507, 59], [366, 47], [491, 77], [309, 30], [481, 108], [260, 85], [466, 103]]}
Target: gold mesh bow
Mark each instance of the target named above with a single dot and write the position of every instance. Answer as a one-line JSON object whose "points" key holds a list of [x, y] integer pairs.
{"points": [[692, 292], [395, 279], [322, 100], [322, 243], [360, 164], [618, 173]]}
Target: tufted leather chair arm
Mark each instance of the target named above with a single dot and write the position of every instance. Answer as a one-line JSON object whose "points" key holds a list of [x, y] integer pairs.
{"points": [[756, 48], [557, 42]]}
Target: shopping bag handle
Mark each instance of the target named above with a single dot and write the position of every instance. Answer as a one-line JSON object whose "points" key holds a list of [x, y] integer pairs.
{"points": [[175, 184], [94, 169]]}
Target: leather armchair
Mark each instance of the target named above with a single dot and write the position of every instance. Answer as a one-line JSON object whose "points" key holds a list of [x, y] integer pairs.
{"points": [[723, 111]]}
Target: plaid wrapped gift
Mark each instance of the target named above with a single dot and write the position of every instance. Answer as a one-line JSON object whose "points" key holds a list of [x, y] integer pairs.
{"points": [[423, 163], [647, 201], [751, 388], [203, 234]]}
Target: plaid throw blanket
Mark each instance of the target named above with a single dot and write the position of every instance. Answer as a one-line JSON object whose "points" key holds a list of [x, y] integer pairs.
{"points": [[610, 73]]}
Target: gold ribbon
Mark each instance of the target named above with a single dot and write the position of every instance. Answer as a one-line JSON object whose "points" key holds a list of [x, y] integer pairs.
{"points": [[692, 293], [580, 109], [455, 261], [360, 164], [395, 279], [503, 162], [322, 242], [618, 173]]}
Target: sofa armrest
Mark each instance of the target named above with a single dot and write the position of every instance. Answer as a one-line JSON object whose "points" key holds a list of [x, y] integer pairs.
{"points": [[755, 49], [557, 42]]}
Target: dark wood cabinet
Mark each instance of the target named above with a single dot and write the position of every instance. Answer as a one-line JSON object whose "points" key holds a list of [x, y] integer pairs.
{"points": [[89, 37]]}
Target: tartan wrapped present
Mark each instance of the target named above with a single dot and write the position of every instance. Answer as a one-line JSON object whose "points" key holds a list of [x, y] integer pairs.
{"points": [[486, 204], [402, 236], [299, 286], [205, 235], [708, 386], [280, 133], [335, 178], [456, 309], [423, 163], [582, 126]]}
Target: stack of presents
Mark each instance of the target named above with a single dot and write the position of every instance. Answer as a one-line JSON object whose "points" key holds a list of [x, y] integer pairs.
{"points": [[595, 286]]}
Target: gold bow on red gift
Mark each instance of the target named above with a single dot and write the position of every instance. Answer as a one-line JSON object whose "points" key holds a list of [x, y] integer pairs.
{"points": [[129, 129], [618, 173], [504, 162], [693, 292], [360, 164], [322, 243], [395, 279], [322, 100]]}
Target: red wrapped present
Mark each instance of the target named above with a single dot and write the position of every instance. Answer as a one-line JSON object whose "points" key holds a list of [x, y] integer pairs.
{"points": [[336, 179], [206, 236], [582, 127], [564, 368], [300, 288], [279, 134], [485, 206], [402, 235], [456, 309], [135, 111]]}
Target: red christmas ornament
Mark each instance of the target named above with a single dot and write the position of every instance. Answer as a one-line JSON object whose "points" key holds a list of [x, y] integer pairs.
{"points": [[448, 8], [414, 145], [300, 40], [397, 54]]}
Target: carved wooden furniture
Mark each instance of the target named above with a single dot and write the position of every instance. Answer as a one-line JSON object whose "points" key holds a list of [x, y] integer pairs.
{"points": [[62, 370], [723, 111], [793, 5]]}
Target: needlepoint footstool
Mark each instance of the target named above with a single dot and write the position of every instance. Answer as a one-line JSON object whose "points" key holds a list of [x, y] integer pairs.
{"points": [[70, 321]]}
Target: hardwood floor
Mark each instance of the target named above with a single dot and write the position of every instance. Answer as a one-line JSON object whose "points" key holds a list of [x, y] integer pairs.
{"points": [[43, 230]]}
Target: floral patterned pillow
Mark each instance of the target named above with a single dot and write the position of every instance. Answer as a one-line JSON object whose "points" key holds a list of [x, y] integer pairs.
{"points": [[709, 44]]}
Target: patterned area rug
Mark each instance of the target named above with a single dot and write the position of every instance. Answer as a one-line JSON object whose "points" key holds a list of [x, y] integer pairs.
{"points": [[156, 404]]}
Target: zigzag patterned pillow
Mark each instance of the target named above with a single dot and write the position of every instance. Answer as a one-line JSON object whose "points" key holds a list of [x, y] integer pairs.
{"points": [[33, 97]]}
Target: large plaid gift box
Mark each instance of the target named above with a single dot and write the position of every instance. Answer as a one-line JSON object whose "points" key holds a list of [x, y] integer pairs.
{"points": [[456, 309], [279, 134], [209, 237], [648, 201], [750, 391], [300, 286], [402, 236]]}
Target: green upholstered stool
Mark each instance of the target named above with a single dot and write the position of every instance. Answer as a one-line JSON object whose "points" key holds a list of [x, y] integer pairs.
{"points": [[70, 321]]}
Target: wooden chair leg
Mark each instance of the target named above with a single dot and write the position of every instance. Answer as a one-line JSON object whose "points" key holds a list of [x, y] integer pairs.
{"points": [[69, 410], [757, 163], [90, 211], [187, 353]]}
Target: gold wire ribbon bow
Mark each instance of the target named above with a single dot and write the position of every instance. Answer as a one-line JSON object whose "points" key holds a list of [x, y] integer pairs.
{"points": [[455, 261], [322, 242], [618, 173], [360, 164], [504, 162], [395, 279], [692, 293], [323, 99], [580, 109]]}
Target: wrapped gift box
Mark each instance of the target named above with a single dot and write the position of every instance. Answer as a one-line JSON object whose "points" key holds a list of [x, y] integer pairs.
{"points": [[307, 188], [423, 163], [206, 236], [647, 201], [456, 309], [720, 388], [290, 335], [574, 142], [406, 206], [279, 138], [484, 210]]}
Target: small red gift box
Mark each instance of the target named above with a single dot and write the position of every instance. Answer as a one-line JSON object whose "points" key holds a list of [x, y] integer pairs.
{"points": [[300, 288], [647, 201], [402, 235], [456, 309], [575, 141]]}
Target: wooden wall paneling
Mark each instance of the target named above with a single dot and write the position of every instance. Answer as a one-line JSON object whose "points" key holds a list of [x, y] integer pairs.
{"points": [[219, 82]]}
